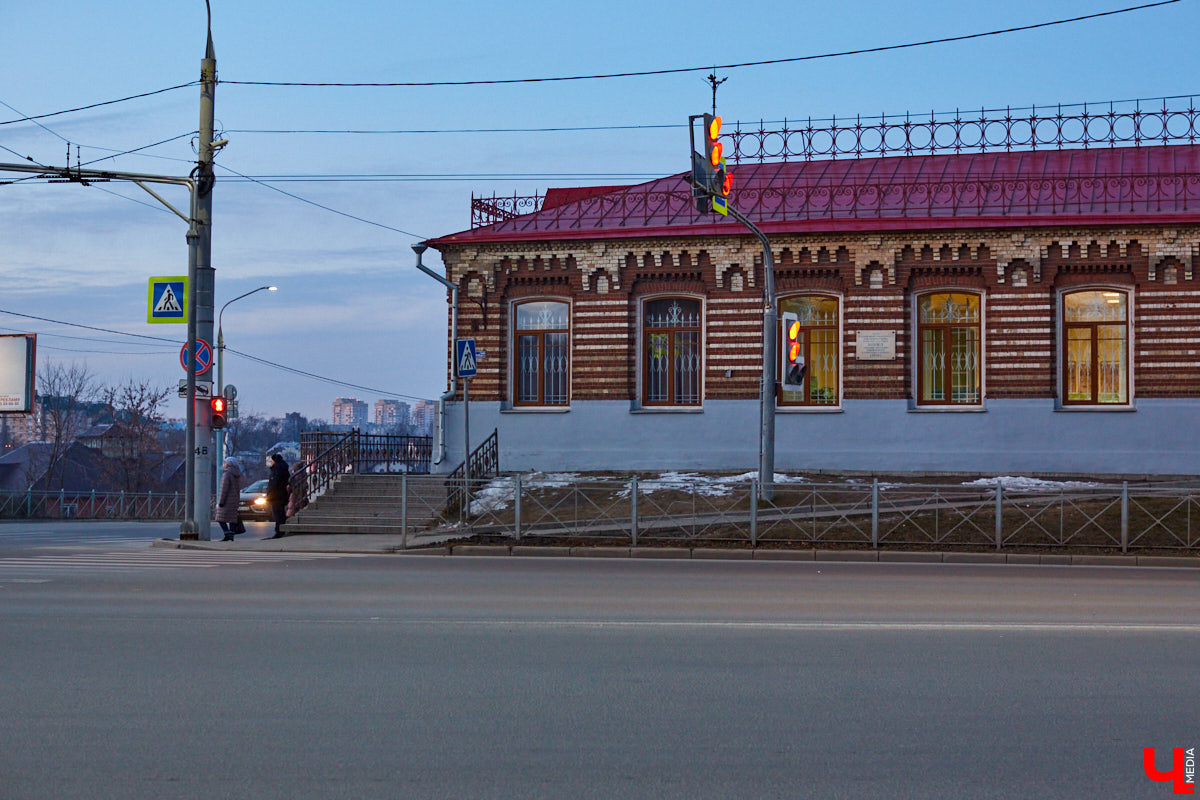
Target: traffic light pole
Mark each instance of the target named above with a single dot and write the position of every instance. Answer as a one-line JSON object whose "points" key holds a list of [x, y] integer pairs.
{"points": [[710, 185], [766, 392]]}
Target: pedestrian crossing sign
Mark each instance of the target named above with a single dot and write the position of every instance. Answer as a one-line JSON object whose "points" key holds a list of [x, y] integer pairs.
{"points": [[465, 361], [167, 301]]}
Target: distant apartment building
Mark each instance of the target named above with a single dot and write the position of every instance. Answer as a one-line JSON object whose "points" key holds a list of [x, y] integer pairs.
{"points": [[349, 411], [18, 429], [390, 413], [294, 424], [424, 412]]}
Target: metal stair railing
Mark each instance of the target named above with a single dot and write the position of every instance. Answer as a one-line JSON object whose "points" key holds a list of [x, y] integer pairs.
{"points": [[322, 467], [483, 463]]}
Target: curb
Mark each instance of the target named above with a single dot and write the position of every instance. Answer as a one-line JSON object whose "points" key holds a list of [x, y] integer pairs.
{"points": [[720, 554]]}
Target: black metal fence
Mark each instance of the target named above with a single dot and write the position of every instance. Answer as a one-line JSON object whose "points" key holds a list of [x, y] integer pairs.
{"points": [[1117, 517], [90, 505]]}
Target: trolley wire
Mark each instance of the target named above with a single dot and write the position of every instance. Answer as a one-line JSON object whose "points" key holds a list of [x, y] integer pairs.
{"points": [[738, 65]]}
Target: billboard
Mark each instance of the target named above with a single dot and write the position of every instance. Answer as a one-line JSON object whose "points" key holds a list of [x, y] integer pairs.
{"points": [[17, 351]]}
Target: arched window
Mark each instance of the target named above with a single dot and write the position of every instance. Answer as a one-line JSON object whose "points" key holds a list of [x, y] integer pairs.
{"points": [[542, 357], [820, 349], [671, 361], [1096, 344], [948, 349]]}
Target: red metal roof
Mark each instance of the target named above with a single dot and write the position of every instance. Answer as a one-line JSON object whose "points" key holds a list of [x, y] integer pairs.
{"points": [[1122, 185]]}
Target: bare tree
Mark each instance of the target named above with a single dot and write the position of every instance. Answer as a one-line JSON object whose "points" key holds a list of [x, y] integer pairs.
{"points": [[66, 391], [135, 457]]}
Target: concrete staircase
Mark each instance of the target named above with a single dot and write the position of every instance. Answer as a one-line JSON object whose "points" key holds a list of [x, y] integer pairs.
{"points": [[372, 504]]}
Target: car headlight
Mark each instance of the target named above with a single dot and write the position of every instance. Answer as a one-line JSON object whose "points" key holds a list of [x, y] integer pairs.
{"points": [[260, 501]]}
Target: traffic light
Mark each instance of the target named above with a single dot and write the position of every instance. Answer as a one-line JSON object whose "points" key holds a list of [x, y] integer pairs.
{"points": [[722, 185], [714, 151], [793, 353], [218, 405]]}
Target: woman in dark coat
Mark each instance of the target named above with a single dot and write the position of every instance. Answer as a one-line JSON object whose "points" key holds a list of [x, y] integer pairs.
{"points": [[277, 491], [228, 498]]}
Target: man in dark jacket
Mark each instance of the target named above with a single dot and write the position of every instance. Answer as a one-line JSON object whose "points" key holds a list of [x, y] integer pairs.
{"points": [[277, 491]]}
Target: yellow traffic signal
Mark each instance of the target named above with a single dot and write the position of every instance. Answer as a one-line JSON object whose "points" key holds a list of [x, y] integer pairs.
{"points": [[794, 366]]}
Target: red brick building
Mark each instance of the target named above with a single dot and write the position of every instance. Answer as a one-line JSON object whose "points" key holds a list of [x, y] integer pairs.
{"points": [[1017, 311]]}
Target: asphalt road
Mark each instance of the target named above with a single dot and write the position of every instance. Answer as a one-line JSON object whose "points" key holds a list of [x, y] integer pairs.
{"points": [[431, 677]]}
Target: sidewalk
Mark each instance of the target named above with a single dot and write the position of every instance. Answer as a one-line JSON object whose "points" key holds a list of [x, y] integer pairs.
{"points": [[459, 544]]}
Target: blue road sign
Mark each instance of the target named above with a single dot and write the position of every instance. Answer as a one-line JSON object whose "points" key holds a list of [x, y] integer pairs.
{"points": [[465, 358], [167, 299], [203, 356]]}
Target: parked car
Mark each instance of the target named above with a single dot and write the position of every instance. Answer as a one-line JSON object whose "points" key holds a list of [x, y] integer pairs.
{"points": [[253, 503]]}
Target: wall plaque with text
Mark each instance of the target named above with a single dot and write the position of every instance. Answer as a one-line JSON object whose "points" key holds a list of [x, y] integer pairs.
{"points": [[875, 346]]}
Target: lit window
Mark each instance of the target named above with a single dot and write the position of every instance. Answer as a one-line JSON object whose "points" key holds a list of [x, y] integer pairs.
{"points": [[542, 354], [819, 349], [671, 352], [1096, 341], [948, 349]]}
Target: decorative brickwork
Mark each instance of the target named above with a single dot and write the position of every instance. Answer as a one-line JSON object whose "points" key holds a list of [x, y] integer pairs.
{"points": [[1018, 273]]}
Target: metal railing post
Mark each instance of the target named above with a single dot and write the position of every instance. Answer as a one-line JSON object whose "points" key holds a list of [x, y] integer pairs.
{"points": [[754, 512], [875, 513], [404, 510], [517, 510], [999, 514], [633, 497], [1125, 517]]}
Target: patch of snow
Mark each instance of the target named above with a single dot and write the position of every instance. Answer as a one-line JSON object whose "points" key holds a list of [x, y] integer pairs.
{"points": [[1019, 484], [500, 493], [705, 485], [395, 466]]}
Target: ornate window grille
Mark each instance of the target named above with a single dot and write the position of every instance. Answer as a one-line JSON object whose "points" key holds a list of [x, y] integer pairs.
{"points": [[1096, 340], [818, 317], [542, 354], [671, 357], [948, 341]]}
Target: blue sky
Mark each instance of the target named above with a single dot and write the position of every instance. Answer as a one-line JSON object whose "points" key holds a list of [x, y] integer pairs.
{"points": [[350, 305]]}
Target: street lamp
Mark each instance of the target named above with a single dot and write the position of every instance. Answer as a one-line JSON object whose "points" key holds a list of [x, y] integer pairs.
{"points": [[221, 373]]}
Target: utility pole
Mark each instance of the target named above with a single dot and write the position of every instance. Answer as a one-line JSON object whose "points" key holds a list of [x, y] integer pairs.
{"points": [[199, 414]]}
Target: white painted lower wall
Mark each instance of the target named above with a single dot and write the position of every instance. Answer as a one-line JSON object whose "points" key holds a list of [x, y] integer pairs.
{"points": [[1160, 437]]}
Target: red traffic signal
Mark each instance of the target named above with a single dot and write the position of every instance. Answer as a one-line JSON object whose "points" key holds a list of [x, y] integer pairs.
{"points": [[218, 404]]}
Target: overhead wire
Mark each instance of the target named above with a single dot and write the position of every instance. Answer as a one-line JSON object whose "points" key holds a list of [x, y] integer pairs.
{"points": [[680, 125], [319, 205], [263, 361], [34, 118], [90, 339], [738, 65], [333, 381]]}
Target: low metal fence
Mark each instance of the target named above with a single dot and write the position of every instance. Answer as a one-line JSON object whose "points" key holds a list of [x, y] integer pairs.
{"points": [[91, 505], [871, 513]]}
